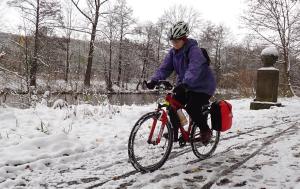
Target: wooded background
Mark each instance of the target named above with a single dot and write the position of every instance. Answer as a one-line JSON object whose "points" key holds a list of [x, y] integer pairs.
{"points": [[74, 45]]}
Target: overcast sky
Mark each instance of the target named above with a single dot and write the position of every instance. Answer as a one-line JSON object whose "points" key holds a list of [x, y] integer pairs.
{"points": [[216, 10], [225, 12]]}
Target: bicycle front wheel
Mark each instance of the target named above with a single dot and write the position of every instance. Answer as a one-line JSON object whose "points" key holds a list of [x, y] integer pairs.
{"points": [[203, 151], [148, 156]]}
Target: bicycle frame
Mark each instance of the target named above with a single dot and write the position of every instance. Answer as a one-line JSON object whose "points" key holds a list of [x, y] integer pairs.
{"points": [[150, 158], [170, 102], [164, 119]]}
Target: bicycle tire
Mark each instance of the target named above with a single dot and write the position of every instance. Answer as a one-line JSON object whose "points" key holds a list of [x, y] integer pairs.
{"points": [[199, 149], [135, 155]]}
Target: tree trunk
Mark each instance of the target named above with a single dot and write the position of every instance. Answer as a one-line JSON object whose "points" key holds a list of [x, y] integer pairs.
{"points": [[87, 78], [159, 45], [109, 82], [158, 50], [33, 66], [110, 66], [27, 63], [287, 87], [217, 63], [106, 74], [78, 67], [145, 62], [88, 72], [120, 56], [67, 60], [142, 78]]}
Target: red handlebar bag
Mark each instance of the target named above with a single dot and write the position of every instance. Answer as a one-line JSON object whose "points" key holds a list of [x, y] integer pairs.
{"points": [[221, 115]]}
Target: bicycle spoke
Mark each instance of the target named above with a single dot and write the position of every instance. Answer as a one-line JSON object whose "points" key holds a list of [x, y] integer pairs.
{"points": [[201, 150], [147, 156]]}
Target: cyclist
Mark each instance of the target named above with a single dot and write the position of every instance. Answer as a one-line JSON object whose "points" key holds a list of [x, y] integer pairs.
{"points": [[195, 80]]}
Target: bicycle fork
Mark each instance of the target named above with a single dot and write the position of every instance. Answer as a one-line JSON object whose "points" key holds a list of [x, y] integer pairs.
{"points": [[164, 119]]}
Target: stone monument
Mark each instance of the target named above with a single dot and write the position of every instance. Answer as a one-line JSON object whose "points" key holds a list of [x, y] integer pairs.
{"points": [[267, 81]]}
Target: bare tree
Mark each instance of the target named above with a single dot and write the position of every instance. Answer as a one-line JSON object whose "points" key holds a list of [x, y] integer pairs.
{"points": [[146, 50], [124, 19], [182, 13], [276, 21], [39, 13], [93, 17], [213, 38], [297, 41], [68, 25], [160, 28], [24, 45], [110, 33]]}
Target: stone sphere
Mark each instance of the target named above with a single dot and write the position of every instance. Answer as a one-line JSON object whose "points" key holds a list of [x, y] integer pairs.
{"points": [[269, 56]]}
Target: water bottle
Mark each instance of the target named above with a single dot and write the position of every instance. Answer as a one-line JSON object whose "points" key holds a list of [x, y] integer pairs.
{"points": [[182, 118]]}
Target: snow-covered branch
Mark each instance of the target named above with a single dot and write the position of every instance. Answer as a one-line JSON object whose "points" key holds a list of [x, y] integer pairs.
{"points": [[11, 72], [2, 54]]}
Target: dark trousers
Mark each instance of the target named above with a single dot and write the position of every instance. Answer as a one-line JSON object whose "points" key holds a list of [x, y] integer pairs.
{"points": [[193, 102]]}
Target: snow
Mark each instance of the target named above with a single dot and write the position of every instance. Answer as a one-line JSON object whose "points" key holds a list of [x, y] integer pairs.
{"points": [[59, 103], [271, 50], [40, 148], [2, 54], [46, 94], [268, 68], [86, 146]]}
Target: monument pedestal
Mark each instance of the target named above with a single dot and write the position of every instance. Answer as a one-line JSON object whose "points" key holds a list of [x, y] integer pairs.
{"points": [[267, 82], [257, 105]]}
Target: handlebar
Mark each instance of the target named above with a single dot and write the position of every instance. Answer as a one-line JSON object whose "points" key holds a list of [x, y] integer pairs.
{"points": [[162, 84]]}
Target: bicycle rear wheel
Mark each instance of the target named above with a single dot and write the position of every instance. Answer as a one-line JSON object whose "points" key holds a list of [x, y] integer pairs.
{"points": [[203, 151], [144, 156]]}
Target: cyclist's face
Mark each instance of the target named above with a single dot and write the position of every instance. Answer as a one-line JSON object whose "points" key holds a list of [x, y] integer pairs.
{"points": [[177, 43]]}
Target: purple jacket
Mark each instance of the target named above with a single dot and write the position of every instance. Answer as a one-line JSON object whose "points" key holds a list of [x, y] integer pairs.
{"points": [[196, 74]]}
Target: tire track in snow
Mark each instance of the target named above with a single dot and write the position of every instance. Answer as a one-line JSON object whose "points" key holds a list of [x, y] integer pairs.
{"points": [[180, 151], [238, 164], [176, 154], [230, 148], [220, 173]]}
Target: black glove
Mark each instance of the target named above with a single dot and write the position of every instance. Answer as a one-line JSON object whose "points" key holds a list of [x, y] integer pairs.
{"points": [[180, 89], [150, 84]]}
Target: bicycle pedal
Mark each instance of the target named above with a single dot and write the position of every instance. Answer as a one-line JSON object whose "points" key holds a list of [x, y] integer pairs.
{"points": [[181, 145], [166, 136], [181, 142]]}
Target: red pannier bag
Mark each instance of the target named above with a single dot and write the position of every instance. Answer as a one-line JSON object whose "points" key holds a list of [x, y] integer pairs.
{"points": [[221, 115]]}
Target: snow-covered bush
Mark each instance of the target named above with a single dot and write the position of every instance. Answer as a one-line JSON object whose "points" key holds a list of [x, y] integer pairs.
{"points": [[60, 103]]}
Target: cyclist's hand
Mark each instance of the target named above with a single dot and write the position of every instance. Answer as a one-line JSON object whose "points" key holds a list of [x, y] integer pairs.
{"points": [[180, 89], [150, 84], [168, 86]]}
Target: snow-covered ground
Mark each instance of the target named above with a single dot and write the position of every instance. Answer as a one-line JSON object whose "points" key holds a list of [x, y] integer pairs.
{"points": [[85, 146]]}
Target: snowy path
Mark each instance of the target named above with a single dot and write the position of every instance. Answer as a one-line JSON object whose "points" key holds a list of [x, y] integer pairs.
{"points": [[261, 151]]}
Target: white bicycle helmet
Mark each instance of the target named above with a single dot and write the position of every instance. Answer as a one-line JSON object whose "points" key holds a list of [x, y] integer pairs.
{"points": [[178, 30]]}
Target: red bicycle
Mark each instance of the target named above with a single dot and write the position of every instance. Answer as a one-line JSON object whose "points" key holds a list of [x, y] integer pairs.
{"points": [[151, 139]]}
